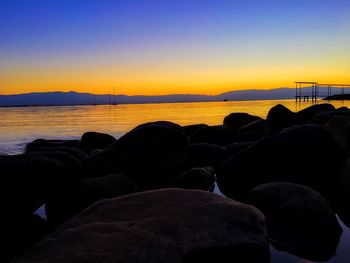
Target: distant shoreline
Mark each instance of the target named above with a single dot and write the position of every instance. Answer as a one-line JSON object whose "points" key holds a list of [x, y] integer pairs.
{"points": [[131, 103], [338, 97], [77, 99]]}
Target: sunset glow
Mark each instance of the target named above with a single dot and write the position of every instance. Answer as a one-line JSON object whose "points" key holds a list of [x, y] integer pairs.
{"points": [[163, 47]]}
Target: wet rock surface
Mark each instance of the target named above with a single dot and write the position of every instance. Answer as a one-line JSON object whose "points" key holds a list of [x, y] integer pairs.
{"points": [[158, 226]]}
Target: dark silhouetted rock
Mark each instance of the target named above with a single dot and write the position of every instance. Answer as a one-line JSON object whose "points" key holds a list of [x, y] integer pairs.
{"points": [[206, 154], [19, 234], [73, 152], [105, 162], [299, 220], [343, 108], [252, 131], [233, 149], [342, 202], [195, 178], [321, 119], [306, 114], [94, 140], [26, 182], [69, 165], [339, 127], [278, 118], [42, 143], [165, 124], [157, 152], [218, 134], [190, 129], [169, 225], [86, 192], [239, 119], [304, 154]]}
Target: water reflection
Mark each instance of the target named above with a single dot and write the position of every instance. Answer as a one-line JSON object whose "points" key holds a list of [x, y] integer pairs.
{"points": [[21, 125]]}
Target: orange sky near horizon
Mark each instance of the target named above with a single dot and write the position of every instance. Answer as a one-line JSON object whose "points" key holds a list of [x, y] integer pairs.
{"points": [[162, 81]]}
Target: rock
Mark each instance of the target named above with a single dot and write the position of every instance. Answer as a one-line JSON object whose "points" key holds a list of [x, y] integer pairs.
{"points": [[165, 124], [170, 225], [278, 118], [321, 119], [95, 140], [190, 129], [86, 192], [339, 127], [342, 202], [195, 178], [157, 152], [19, 234], [324, 117], [343, 108], [26, 182], [233, 149], [299, 220], [305, 154], [105, 162], [42, 143], [206, 154], [218, 134], [256, 164], [306, 114], [69, 165], [73, 152], [252, 131], [103, 243], [239, 119]]}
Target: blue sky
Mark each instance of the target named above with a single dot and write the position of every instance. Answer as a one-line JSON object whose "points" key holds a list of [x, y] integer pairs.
{"points": [[167, 46]]}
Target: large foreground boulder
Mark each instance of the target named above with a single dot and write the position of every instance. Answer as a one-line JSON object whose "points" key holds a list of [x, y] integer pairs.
{"points": [[299, 220], [76, 197], [18, 234], [168, 225]]}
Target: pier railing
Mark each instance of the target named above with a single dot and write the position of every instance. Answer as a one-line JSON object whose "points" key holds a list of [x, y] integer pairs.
{"points": [[315, 90]]}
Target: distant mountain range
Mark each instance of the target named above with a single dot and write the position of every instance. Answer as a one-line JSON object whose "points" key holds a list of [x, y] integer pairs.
{"points": [[75, 98]]}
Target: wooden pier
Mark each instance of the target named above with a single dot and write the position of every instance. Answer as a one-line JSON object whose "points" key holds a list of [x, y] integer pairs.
{"points": [[315, 90]]}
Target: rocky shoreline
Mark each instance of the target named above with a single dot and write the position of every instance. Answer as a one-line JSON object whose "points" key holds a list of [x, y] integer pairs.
{"points": [[147, 196]]}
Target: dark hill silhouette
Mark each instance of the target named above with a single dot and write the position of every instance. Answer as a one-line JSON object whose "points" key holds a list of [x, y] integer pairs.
{"points": [[75, 98]]}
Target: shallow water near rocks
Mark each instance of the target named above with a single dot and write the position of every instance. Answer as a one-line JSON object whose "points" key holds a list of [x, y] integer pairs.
{"points": [[20, 125]]}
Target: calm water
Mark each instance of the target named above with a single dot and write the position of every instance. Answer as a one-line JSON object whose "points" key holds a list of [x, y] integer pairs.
{"points": [[19, 126]]}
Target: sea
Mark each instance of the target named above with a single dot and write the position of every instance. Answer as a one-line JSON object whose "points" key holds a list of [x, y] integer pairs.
{"points": [[20, 125]]}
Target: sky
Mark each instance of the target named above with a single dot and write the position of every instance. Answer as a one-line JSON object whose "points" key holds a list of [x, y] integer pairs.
{"points": [[159, 47]]}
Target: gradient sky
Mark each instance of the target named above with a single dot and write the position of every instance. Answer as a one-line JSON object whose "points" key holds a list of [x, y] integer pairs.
{"points": [[180, 46]]}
